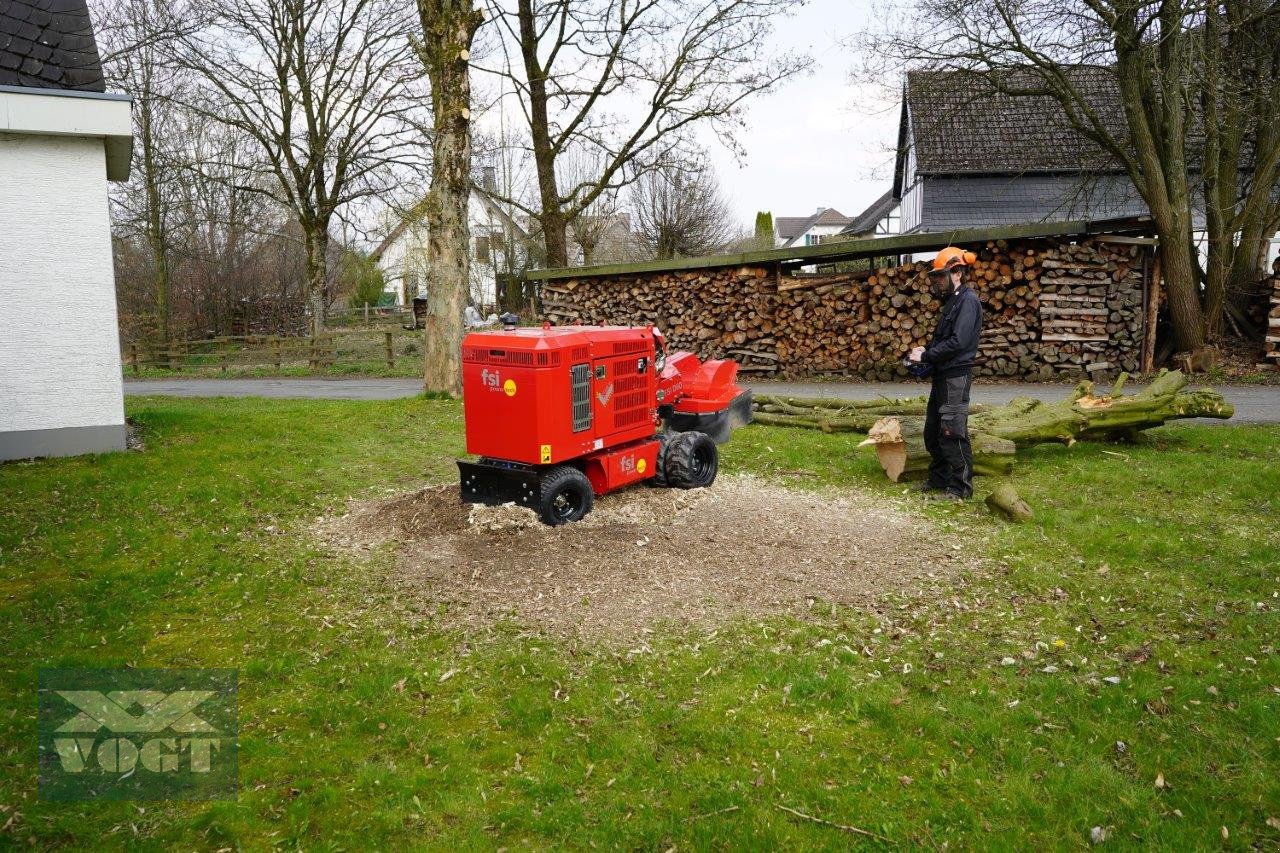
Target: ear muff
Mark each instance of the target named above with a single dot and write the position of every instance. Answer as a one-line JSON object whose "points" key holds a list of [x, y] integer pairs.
{"points": [[970, 258]]}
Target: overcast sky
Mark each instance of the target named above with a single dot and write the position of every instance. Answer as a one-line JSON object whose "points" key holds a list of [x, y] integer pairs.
{"points": [[819, 141]]}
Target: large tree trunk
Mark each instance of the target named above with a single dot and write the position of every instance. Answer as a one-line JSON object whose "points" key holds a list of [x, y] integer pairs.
{"points": [[317, 243], [157, 236], [897, 432], [551, 217], [830, 414], [1156, 121], [552, 222], [1180, 282], [1088, 415], [448, 27]]}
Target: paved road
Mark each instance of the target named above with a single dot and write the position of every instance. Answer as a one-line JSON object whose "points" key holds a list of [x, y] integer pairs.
{"points": [[1254, 404], [316, 389]]}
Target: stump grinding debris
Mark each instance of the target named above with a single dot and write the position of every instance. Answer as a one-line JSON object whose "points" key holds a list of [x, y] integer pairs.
{"points": [[647, 556]]}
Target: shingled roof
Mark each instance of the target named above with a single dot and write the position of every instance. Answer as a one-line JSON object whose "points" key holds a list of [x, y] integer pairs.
{"points": [[866, 221], [48, 44], [791, 227], [964, 122]]}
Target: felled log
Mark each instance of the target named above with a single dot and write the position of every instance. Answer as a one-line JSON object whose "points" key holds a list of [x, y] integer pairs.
{"points": [[845, 422], [1087, 415], [836, 415], [899, 444], [1084, 415], [836, 402], [1005, 501]]}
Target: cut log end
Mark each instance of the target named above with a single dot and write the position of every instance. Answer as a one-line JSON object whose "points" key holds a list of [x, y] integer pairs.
{"points": [[893, 458]]}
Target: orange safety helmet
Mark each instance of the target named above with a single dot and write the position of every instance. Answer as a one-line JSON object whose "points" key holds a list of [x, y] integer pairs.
{"points": [[951, 257]]}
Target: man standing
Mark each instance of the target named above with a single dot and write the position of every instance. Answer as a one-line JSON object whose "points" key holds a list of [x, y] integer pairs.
{"points": [[951, 353]]}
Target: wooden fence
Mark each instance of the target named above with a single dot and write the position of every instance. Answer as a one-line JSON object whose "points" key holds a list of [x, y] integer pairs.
{"points": [[370, 316], [354, 347]]}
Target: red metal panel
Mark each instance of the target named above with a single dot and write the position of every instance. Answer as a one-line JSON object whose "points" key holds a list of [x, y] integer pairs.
{"points": [[517, 391], [610, 470], [709, 386], [624, 397]]}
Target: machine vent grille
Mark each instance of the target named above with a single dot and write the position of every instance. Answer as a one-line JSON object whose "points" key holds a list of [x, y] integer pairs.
{"points": [[632, 404], [486, 355], [624, 347], [630, 417], [580, 353], [580, 380]]}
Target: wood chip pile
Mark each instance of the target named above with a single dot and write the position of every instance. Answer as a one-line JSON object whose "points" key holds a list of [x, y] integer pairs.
{"points": [[1052, 308]]}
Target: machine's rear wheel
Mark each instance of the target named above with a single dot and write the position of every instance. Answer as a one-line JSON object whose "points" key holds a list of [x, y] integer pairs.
{"points": [[660, 467], [692, 461], [566, 496]]}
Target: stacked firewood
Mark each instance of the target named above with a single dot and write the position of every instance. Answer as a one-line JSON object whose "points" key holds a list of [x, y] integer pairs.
{"points": [[1091, 306], [863, 321], [1271, 348], [1008, 284], [718, 313]]}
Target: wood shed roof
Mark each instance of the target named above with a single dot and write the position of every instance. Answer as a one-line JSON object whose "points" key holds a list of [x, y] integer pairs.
{"points": [[844, 250]]}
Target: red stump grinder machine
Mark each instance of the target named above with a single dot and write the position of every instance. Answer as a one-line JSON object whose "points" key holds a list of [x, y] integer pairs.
{"points": [[558, 415]]}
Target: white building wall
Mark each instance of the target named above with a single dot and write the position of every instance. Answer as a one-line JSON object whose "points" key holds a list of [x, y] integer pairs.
{"points": [[60, 376], [408, 256], [815, 235], [912, 208]]}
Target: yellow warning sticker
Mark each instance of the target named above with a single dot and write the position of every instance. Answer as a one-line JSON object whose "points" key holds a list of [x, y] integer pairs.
{"points": [[640, 466], [509, 387], [546, 451]]}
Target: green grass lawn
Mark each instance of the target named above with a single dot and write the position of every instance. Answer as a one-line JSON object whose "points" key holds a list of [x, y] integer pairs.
{"points": [[1158, 565]]}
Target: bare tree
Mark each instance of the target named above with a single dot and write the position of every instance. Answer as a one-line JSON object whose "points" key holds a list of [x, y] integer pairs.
{"points": [[680, 213], [1161, 57], [237, 243], [629, 80], [1238, 60], [444, 48], [326, 90], [133, 36], [591, 224], [509, 187]]}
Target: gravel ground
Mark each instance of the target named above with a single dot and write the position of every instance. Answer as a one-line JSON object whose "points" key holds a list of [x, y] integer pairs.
{"points": [[646, 557]]}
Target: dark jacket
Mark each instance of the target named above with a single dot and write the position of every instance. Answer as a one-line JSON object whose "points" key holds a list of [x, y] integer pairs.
{"points": [[955, 340]]}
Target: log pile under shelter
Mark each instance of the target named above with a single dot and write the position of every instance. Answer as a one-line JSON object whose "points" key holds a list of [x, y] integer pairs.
{"points": [[1053, 307], [1271, 348]]}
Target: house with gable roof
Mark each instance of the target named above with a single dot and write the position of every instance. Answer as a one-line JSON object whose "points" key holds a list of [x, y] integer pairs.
{"points": [[808, 230], [972, 156]]}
